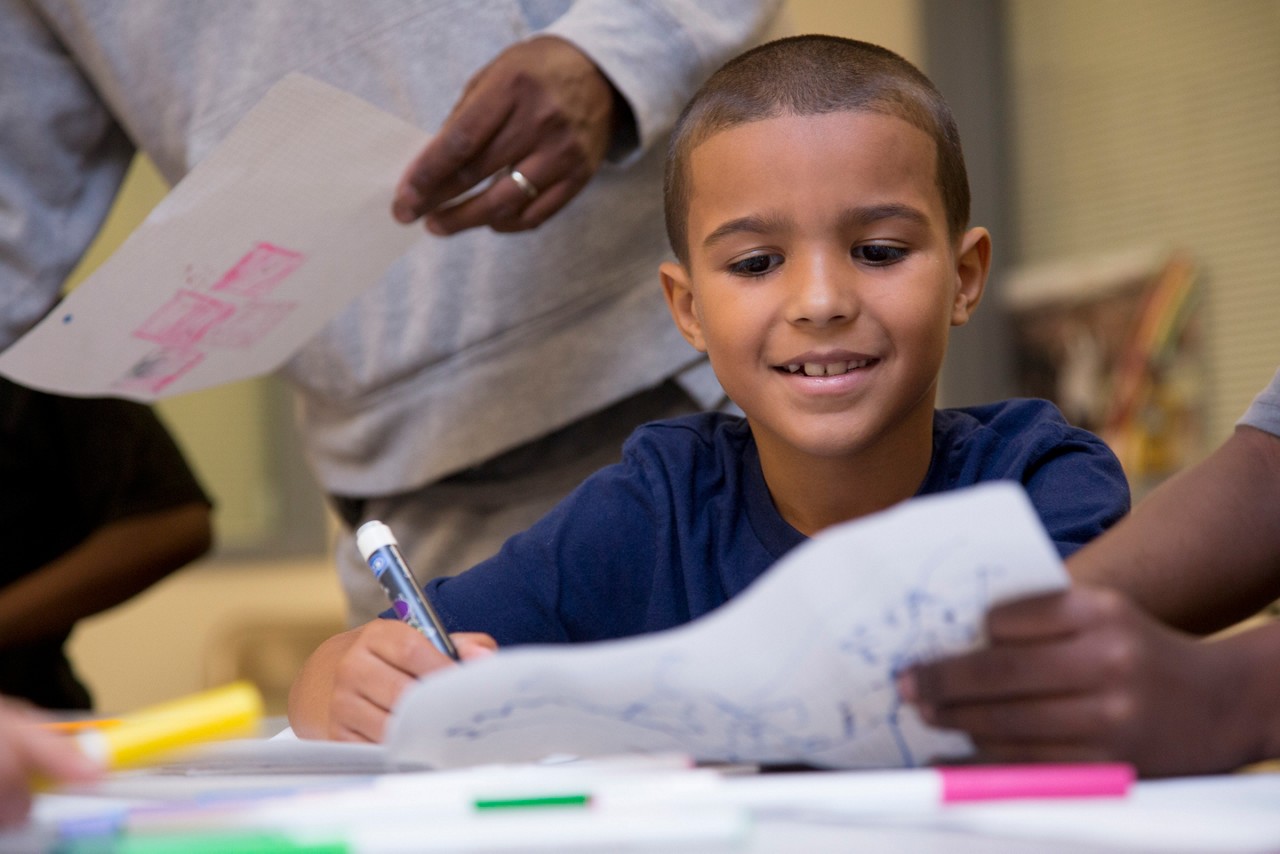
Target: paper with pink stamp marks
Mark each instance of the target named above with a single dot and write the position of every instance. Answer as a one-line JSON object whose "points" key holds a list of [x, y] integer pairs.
{"points": [[249, 256]]}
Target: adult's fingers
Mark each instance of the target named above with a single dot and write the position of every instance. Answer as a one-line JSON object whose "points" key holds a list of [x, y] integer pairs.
{"points": [[1018, 671], [541, 108], [1071, 718], [459, 156], [1054, 615], [27, 753], [506, 205]]}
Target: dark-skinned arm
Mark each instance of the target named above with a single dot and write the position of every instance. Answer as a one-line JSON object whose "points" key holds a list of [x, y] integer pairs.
{"points": [[116, 562]]}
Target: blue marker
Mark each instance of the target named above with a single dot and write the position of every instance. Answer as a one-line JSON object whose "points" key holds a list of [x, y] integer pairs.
{"points": [[379, 548]]}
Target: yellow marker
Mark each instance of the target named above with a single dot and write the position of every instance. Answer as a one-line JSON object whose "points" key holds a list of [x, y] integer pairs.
{"points": [[142, 736]]}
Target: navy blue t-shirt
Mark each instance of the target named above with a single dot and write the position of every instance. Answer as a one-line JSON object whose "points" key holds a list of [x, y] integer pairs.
{"points": [[685, 522]]}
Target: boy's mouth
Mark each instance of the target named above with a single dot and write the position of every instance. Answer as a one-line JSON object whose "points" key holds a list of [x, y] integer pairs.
{"points": [[825, 369]]}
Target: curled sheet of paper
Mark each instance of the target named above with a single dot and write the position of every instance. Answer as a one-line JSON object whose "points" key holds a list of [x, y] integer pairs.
{"points": [[249, 256], [800, 668]]}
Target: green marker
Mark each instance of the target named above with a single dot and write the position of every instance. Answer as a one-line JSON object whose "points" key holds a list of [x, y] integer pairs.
{"points": [[535, 802]]}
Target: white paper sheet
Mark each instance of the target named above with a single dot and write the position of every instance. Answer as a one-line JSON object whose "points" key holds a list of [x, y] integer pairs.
{"points": [[797, 669], [249, 256]]}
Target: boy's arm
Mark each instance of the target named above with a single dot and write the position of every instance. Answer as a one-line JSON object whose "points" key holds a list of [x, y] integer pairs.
{"points": [[117, 561], [1202, 551], [347, 688], [1086, 675]]}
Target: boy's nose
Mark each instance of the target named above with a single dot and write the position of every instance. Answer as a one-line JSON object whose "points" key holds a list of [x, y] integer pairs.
{"points": [[821, 294]]}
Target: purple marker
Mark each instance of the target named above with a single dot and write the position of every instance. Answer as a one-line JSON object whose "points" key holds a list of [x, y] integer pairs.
{"points": [[379, 548]]}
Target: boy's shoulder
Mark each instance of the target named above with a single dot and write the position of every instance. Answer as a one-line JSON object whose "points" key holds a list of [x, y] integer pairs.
{"points": [[685, 435], [1016, 431], [1014, 418]]}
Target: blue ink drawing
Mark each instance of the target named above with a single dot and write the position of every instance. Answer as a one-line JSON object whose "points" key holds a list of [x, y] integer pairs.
{"points": [[818, 688]]}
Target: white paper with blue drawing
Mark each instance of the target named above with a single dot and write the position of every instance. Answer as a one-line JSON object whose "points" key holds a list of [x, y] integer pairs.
{"points": [[798, 669]]}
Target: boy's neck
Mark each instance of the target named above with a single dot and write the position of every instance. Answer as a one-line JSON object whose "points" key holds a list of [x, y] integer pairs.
{"points": [[815, 493]]}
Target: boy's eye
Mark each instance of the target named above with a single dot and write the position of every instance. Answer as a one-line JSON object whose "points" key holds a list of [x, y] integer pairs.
{"points": [[878, 254], [755, 265]]}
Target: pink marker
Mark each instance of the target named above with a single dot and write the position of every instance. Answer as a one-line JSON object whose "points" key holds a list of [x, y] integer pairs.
{"points": [[1002, 782], [916, 789]]}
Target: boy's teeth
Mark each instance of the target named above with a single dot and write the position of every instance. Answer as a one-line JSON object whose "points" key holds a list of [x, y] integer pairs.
{"points": [[832, 369]]}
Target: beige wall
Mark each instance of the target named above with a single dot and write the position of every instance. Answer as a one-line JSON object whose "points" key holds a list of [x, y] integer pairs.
{"points": [[1156, 123], [895, 24]]}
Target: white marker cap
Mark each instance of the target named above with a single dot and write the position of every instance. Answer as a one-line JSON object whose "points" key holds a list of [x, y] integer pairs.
{"points": [[372, 536]]}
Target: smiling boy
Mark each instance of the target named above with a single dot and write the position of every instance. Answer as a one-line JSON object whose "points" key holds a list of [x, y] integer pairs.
{"points": [[817, 204], [822, 278]]}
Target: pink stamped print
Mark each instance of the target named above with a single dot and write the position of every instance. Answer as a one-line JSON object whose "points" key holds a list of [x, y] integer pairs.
{"points": [[264, 267], [158, 369], [252, 322], [184, 319]]}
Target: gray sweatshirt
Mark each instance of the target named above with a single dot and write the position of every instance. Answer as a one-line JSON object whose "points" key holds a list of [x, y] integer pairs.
{"points": [[470, 345]]}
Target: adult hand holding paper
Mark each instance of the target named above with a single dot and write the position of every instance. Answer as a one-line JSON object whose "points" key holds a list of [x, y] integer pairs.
{"points": [[250, 255]]}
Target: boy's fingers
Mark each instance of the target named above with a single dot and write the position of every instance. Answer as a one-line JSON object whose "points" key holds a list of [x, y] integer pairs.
{"points": [[353, 718], [388, 659], [403, 648], [473, 645]]}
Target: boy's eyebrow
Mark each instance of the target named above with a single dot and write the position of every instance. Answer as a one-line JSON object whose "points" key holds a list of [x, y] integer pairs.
{"points": [[862, 216], [850, 218], [742, 225]]}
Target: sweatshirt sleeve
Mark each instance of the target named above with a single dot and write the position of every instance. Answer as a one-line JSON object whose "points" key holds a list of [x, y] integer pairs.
{"points": [[657, 52], [62, 159], [1264, 412]]}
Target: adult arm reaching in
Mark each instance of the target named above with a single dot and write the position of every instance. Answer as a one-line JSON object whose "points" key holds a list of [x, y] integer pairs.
{"points": [[28, 754], [1095, 672]]}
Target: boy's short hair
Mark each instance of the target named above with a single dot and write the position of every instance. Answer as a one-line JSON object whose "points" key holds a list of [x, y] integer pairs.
{"points": [[812, 75]]}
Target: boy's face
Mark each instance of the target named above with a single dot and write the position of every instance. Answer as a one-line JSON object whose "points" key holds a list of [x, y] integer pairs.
{"points": [[821, 279]]}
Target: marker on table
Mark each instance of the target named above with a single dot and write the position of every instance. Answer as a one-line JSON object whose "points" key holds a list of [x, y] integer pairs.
{"points": [[380, 550], [142, 736], [909, 790]]}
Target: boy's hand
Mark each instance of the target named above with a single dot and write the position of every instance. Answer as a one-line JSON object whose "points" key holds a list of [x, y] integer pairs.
{"points": [[1085, 675], [28, 753], [541, 107], [383, 659]]}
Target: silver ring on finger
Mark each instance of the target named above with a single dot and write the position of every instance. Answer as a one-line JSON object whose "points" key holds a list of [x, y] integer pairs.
{"points": [[526, 186]]}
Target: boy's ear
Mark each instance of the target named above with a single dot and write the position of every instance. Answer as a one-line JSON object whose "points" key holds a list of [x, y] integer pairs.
{"points": [[678, 290], [973, 263]]}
